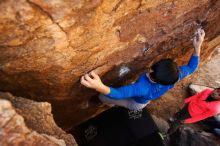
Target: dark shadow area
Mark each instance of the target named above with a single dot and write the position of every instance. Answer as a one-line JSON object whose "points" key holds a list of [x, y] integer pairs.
{"points": [[118, 127]]}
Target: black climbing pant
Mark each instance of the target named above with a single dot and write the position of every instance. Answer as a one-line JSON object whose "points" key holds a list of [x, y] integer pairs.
{"points": [[179, 118], [182, 114]]}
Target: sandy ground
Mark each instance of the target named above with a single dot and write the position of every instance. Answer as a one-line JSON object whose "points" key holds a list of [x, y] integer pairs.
{"points": [[172, 101]]}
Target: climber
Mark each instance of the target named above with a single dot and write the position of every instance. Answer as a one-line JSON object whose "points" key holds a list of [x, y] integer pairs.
{"points": [[198, 107], [151, 85]]}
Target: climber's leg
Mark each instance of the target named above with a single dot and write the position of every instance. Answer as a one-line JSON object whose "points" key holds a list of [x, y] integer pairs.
{"points": [[217, 132], [106, 100], [178, 119], [182, 114], [127, 103]]}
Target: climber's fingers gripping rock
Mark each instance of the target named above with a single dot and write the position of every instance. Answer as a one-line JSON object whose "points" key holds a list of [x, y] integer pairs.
{"points": [[92, 80], [198, 40]]}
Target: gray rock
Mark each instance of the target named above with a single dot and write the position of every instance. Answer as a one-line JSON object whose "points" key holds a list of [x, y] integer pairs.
{"points": [[161, 124], [14, 132], [194, 89]]}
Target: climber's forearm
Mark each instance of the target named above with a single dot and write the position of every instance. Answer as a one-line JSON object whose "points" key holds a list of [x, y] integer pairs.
{"points": [[197, 51], [103, 89]]}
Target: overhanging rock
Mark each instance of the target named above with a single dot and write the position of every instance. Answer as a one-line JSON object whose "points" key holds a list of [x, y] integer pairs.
{"points": [[45, 46]]}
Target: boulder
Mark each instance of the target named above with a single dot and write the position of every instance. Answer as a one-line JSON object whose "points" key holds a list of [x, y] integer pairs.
{"points": [[194, 89], [14, 132], [34, 116], [47, 45]]}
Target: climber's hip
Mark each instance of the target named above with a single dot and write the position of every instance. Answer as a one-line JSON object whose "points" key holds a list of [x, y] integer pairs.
{"points": [[127, 103]]}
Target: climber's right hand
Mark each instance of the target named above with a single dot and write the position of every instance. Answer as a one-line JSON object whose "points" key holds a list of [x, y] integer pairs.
{"points": [[198, 40], [93, 81]]}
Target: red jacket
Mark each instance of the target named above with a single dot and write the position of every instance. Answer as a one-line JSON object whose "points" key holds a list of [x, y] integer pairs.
{"points": [[199, 109]]}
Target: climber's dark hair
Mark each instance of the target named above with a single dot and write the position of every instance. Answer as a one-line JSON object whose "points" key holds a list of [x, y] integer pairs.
{"points": [[165, 72], [211, 98], [217, 90]]}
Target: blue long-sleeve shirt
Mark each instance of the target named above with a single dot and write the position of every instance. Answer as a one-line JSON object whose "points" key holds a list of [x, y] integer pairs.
{"points": [[143, 90]]}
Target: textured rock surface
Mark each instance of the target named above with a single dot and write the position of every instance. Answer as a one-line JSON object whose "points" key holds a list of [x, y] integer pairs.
{"points": [[162, 124], [14, 132], [187, 136], [38, 117], [210, 73], [47, 45]]}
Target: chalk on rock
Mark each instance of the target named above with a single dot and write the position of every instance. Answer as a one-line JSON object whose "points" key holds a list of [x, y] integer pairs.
{"points": [[123, 71]]}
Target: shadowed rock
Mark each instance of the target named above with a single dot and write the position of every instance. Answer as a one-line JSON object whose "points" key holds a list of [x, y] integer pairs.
{"points": [[186, 136], [162, 125]]}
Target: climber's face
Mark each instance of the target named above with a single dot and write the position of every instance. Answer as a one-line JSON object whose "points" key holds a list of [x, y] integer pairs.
{"points": [[216, 94]]}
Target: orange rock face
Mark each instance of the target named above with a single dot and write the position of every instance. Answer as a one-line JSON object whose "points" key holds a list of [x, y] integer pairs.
{"points": [[37, 117], [14, 131], [45, 46]]}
